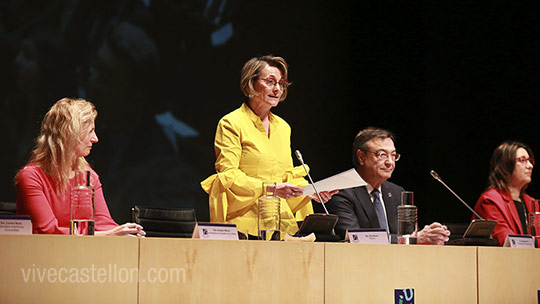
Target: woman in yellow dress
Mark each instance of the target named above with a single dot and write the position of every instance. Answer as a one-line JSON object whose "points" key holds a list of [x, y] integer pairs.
{"points": [[252, 146]]}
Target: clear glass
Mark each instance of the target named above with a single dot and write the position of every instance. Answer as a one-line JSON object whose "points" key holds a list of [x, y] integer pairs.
{"points": [[407, 198], [534, 223], [407, 214], [81, 211], [269, 213], [407, 219]]}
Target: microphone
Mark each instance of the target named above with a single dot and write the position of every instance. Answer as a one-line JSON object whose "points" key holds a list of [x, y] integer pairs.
{"points": [[301, 160], [478, 232], [438, 178]]}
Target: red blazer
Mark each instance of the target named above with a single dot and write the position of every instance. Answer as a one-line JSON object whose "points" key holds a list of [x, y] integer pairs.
{"points": [[499, 206]]}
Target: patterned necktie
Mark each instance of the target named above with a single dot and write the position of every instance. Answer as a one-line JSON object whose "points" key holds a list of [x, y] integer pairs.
{"points": [[379, 209]]}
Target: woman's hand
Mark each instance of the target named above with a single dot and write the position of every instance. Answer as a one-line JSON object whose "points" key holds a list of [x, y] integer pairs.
{"points": [[286, 190], [126, 229], [325, 196]]}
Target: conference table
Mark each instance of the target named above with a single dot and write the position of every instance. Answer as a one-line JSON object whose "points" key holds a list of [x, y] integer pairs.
{"points": [[88, 269]]}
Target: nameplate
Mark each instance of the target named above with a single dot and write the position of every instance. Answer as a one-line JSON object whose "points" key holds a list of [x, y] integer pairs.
{"points": [[215, 231], [519, 241], [367, 236], [15, 224]]}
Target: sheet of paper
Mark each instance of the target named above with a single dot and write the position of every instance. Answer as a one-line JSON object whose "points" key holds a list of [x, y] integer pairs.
{"points": [[343, 180]]}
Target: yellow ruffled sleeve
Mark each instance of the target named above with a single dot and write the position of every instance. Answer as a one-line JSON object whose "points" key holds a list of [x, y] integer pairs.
{"points": [[231, 191], [227, 201]]}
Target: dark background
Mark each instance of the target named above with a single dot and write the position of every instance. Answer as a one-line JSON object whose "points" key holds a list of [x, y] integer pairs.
{"points": [[452, 80]]}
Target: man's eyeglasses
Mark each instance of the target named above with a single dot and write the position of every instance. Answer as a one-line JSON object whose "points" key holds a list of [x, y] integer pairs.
{"points": [[271, 82], [383, 156], [524, 160]]}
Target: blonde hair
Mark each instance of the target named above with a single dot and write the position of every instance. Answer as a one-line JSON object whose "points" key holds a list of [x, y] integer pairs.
{"points": [[252, 68], [61, 129]]}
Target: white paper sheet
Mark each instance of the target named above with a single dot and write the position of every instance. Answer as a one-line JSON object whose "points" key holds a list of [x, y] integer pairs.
{"points": [[343, 180]]}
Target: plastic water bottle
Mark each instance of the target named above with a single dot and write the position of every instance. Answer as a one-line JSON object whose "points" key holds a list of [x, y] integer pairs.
{"points": [[269, 213], [81, 211]]}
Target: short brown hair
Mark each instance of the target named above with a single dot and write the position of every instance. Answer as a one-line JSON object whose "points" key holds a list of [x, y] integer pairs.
{"points": [[503, 163], [365, 135], [251, 71]]}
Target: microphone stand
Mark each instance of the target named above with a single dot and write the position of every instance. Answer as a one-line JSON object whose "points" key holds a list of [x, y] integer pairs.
{"points": [[439, 179], [479, 231], [299, 156]]}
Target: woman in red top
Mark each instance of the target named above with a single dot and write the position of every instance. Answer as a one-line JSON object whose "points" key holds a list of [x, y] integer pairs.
{"points": [[66, 138], [505, 200]]}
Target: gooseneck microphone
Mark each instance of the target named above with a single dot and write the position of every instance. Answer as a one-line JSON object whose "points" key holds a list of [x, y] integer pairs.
{"points": [[301, 160], [438, 178]]}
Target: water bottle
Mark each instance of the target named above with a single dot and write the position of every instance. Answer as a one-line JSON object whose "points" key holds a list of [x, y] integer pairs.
{"points": [[269, 213], [81, 211], [407, 214]]}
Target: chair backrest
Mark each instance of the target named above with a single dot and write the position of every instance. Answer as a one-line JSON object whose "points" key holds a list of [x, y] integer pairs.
{"points": [[8, 208], [165, 222]]}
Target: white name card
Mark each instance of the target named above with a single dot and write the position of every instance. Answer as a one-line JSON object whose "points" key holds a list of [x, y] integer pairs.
{"points": [[519, 241], [215, 231], [15, 224], [367, 236]]}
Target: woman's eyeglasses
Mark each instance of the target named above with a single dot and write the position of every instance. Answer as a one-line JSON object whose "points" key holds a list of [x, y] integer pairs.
{"points": [[524, 160], [271, 82]]}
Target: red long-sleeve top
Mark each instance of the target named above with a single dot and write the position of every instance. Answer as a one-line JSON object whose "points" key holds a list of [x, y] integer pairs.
{"points": [[36, 196]]}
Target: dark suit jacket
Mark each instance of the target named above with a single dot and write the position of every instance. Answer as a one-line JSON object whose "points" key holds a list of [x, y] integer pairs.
{"points": [[355, 208]]}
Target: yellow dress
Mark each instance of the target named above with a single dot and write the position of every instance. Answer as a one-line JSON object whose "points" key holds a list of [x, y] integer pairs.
{"points": [[245, 157]]}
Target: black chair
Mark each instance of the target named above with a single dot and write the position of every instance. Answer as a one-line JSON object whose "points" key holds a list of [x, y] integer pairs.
{"points": [[165, 222], [8, 208]]}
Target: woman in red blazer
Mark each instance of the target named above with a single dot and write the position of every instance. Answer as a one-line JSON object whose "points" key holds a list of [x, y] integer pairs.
{"points": [[505, 200]]}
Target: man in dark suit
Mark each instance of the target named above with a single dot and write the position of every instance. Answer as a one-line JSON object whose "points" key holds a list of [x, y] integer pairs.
{"points": [[375, 205]]}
